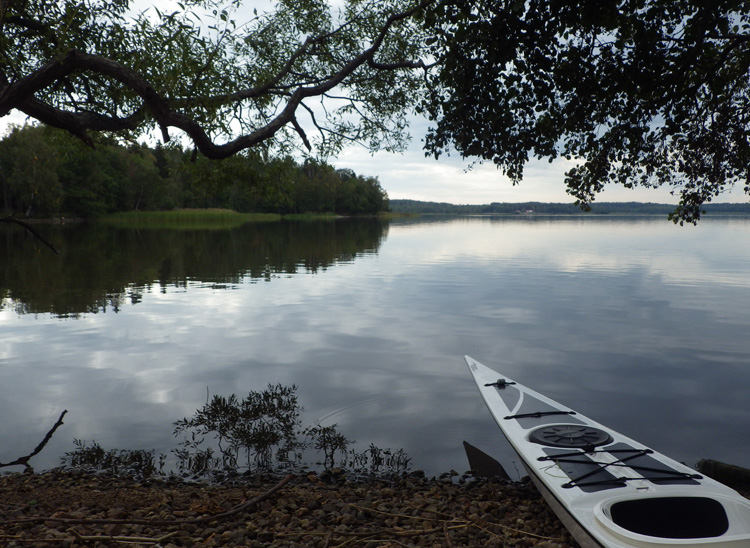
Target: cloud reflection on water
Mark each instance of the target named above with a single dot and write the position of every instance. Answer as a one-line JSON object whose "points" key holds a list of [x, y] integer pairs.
{"points": [[637, 323]]}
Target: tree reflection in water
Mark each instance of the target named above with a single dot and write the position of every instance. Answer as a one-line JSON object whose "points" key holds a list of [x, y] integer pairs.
{"points": [[105, 268]]}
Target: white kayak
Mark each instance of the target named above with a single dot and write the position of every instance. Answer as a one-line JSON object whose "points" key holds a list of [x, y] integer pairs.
{"points": [[609, 490]]}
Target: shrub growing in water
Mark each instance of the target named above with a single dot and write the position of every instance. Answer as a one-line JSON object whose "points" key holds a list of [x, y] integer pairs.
{"points": [[258, 427]]}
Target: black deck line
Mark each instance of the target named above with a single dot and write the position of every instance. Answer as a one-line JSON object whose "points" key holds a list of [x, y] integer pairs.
{"points": [[538, 414]]}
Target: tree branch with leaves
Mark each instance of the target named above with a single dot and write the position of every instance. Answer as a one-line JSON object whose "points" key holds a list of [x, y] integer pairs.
{"points": [[228, 86]]}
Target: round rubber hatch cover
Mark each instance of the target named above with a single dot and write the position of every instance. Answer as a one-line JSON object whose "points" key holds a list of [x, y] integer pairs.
{"points": [[570, 435]]}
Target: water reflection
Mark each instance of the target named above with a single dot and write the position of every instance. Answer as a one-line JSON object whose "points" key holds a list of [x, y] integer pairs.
{"points": [[636, 323], [102, 267]]}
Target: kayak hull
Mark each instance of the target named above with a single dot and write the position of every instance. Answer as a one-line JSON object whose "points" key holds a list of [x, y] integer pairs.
{"points": [[609, 490]]}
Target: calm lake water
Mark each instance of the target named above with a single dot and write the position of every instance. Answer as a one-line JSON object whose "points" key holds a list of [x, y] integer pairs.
{"points": [[635, 322]]}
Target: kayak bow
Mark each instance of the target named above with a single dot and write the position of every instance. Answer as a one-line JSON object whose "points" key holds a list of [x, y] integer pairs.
{"points": [[609, 490]]}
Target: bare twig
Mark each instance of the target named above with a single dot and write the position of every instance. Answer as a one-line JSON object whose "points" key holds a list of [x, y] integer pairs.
{"points": [[123, 539], [17, 539], [24, 461], [453, 523], [447, 536]]}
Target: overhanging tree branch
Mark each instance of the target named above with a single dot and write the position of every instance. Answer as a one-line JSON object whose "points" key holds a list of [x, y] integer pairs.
{"points": [[501, 81], [166, 113]]}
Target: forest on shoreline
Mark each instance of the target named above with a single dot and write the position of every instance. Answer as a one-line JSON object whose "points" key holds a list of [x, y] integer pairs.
{"points": [[45, 173]]}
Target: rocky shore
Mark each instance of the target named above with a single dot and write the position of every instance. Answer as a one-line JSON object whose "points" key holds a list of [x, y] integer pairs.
{"points": [[73, 509]]}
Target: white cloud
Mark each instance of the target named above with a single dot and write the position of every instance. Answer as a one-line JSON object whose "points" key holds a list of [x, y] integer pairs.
{"points": [[413, 176]]}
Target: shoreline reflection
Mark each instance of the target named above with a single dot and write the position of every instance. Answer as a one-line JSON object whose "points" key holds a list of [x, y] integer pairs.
{"points": [[101, 267]]}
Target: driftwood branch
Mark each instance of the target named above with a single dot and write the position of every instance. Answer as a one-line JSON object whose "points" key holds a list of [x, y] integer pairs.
{"points": [[24, 461]]}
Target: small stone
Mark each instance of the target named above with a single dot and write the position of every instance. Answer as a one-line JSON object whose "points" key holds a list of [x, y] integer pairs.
{"points": [[348, 519], [116, 513]]}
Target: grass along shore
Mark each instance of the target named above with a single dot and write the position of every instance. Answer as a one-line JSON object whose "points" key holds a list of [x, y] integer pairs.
{"points": [[215, 218], [188, 218]]}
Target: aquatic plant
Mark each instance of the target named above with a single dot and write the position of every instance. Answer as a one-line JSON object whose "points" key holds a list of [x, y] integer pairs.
{"points": [[138, 463], [261, 431]]}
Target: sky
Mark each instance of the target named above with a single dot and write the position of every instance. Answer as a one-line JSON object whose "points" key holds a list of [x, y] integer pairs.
{"points": [[413, 176]]}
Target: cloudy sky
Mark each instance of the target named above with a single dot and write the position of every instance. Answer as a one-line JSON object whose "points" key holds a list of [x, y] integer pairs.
{"points": [[450, 179]]}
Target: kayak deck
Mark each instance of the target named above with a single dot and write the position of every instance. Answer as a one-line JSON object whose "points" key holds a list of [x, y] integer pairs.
{"points": [[609, 490]]}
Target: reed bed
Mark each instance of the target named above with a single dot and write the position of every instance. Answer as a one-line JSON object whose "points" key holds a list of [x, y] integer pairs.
{"points": [[188, 218]]}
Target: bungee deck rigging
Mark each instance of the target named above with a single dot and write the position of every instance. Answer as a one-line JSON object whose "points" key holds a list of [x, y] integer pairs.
{"points": [[667, 473]]}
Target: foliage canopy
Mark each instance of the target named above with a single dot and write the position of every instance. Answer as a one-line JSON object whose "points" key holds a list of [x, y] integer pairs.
{"points": [[227, 78], [644, 93]]}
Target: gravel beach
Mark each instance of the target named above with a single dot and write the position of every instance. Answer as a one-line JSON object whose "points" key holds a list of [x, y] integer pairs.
{"points": [[72, 509]]}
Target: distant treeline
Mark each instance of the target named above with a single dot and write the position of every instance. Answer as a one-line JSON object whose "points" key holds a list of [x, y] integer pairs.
{"points": [[45, 172], [526, 208]]}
